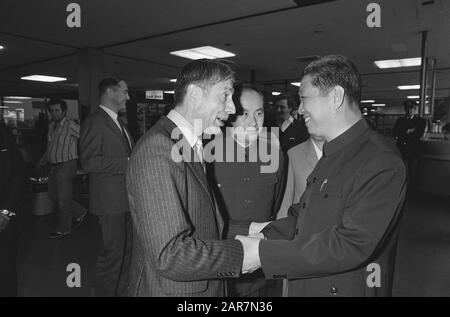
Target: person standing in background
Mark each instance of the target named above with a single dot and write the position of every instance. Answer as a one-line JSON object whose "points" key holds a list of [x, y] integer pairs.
{"points": [[408, 131], [292, 132], [62, 155], [105, 146], [245, 192], [12, 183]]}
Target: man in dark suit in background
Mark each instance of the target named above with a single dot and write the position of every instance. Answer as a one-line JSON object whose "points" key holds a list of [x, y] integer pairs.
{"points": [[105, 146], [177, 249], [12, 182], [407, 131], [292, 131]]}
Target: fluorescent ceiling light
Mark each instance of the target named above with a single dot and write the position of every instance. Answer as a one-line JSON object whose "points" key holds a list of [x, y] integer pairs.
{"points": [[413, 97], [17, 97], [296, 83], [44, 78], [276, 93], [174, 80], [11, 101], [394, 63], [408, 87], [379, 105], [169, 92], [1, 47], [367, 101], [207, 52]]}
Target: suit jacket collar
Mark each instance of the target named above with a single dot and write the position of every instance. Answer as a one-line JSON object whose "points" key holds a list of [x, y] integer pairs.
{"points": [[188, 154]]}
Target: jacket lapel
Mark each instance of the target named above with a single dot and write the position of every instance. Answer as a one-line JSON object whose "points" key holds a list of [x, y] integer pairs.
{"points": [[116, 130], [188, 154]]}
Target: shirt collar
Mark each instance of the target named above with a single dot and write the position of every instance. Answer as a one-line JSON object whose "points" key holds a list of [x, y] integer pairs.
{"points": [[345, 138], [317, 149], [186, 128], [111, 113], [289, 120]]}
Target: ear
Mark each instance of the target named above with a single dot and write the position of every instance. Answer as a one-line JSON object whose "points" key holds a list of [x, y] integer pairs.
{"points": [[194, 93], [338, 95]]}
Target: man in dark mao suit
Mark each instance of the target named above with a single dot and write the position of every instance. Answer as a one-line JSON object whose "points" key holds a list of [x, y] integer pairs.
{"points": [[340, 239]]}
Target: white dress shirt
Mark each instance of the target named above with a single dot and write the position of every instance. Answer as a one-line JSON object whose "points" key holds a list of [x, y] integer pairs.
{"points": [[317, 149], [188, 131]]}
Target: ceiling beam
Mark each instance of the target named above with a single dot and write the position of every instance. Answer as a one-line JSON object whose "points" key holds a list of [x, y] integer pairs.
{"points": [[201, 26], [38, 40]]}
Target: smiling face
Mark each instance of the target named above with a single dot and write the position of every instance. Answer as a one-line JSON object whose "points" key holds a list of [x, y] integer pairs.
{"points": [[215, 105], [252, 118], [316, 108]]}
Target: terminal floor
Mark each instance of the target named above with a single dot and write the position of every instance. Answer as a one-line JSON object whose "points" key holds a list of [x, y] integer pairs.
{"points": [[422, 268]]}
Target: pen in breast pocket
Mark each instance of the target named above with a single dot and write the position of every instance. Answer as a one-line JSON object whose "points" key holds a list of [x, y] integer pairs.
{"points": [[323, 183]]}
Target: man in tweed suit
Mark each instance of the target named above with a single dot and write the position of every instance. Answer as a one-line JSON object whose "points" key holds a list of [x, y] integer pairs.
{"points": [[177, 249]]}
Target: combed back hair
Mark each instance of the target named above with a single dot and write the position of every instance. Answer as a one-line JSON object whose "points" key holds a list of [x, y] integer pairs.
{"points": [[292, 101], [203, 73], [108, 82], [333, 70], [408, 104], [238, 90], [59, 102]]}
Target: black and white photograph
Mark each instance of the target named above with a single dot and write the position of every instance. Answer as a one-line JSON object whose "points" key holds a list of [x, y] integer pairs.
{"points": [[227, 154]]}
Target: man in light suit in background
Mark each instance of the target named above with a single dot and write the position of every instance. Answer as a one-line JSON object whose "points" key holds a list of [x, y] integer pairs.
{"points": [[302, 159], [177, 249], [105, 146]]}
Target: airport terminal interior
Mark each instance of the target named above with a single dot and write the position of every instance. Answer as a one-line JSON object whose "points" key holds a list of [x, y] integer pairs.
{"points": [[62, 49]]}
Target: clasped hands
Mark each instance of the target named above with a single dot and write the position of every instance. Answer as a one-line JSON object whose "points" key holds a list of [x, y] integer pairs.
{"points": [[250, 243]]}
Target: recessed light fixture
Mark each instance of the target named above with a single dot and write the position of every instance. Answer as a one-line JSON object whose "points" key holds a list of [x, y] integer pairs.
{"points": [[408, 87], [17, 97], [379, 105], [413, 97], [367, 101], [12, 101], [1, 47], [296, 83], [173, 80], [169, 92], [276, 93], [207, 52], [44, 78], [394, 63]]}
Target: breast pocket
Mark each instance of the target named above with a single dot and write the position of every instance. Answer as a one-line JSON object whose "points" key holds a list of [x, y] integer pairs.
{"points": [[328, 200]]}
